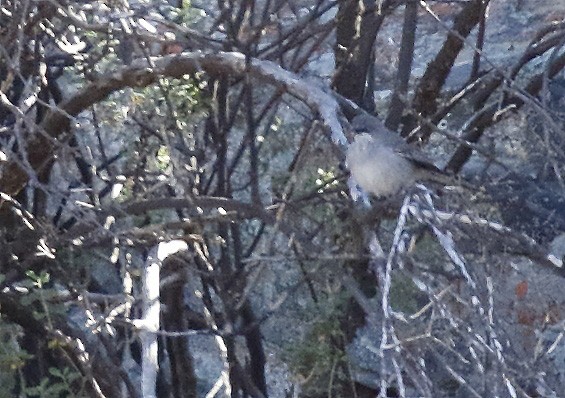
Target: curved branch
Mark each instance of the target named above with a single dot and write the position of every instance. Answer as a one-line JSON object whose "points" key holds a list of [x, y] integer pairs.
{"points": [[142, 73]]}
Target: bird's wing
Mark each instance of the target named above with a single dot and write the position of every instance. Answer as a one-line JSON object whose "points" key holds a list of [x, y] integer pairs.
{"points": [[416, 156], [365, 123]]}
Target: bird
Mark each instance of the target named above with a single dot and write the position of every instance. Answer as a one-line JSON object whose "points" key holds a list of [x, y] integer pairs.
{"points": [[383, 164]]}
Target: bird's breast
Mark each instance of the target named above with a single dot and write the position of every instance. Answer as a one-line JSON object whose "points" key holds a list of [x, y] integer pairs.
{"points": [[379, 170]]}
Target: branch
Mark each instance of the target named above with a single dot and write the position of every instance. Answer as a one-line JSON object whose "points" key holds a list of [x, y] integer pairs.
{"points": [[427, 92], [405, 56], [140, 74], [149, 324]]}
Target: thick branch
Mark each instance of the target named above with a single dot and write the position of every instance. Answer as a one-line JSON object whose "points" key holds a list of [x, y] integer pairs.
{"points": [[140, 74], [427, 92]]}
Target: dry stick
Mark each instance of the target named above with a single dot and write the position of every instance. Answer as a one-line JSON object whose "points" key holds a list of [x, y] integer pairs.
{"points": [[149, 323], [397, 105], [355, 44], [480, 42]]}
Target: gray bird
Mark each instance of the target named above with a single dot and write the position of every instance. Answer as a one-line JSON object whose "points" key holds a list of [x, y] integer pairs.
{"points": [[383, 164]]}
